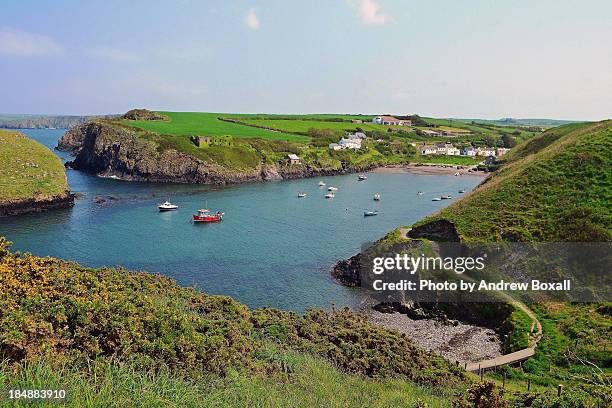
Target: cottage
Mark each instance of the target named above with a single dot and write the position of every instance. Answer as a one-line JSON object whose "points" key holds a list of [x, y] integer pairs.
{"points": [[350, 143], [469, 151], [430, 133], [452, 151], [501, 151], [390, 121], [485, 151], [335, 146], [293, 159], [427, 149]]}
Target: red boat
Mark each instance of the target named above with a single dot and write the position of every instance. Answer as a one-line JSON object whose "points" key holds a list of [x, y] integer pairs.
{"points": [[208, 216]]}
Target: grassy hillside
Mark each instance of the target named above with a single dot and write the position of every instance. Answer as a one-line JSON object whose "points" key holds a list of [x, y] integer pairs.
{"points": [[28, 169], [555, 187]]}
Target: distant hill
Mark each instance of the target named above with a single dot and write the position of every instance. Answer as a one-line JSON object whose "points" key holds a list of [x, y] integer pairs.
{"points": [[521, 122], [44, 121]]}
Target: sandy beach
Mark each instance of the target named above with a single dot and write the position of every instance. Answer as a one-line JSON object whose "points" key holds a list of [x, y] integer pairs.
{"points": [[432, 169]]}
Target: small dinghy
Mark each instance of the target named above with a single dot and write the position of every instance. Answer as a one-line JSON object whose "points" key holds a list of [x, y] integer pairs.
{"points": [[370, 213], [362, 177], [376, 197], [446, 197], [420, 193], [461, 191], [321, 184], [301, 195], [330, 195], [332, 188], [167, 206], [436, 199]]}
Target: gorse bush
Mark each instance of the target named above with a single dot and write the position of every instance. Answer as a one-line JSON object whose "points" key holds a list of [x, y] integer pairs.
{"points": [[57, 310]]}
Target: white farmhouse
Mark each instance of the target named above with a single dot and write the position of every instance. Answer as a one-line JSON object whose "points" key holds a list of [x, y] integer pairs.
{"points": [[390, 121], [427, 149]]}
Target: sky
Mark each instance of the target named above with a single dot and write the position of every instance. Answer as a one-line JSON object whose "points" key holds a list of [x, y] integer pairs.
{"points": [[442, 58]]}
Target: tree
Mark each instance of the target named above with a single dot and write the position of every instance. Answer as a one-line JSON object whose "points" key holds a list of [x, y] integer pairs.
{"points": [[508, 141]]}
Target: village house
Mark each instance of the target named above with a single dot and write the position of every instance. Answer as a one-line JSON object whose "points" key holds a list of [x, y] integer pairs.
{"points": [[335, 146], [485, 151], [391, 121], [427, 149], [351, 141], [501, 151], [469, 151], [430, 133], [293, 159]]}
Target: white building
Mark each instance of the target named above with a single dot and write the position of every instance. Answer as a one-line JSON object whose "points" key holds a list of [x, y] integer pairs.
{"points": [[469, 151], [427, 149], [501, 151], [485, 151], [335, 146], [391, 121]]}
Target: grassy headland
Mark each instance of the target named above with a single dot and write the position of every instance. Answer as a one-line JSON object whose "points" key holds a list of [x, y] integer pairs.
{"points": [[29, 172]]}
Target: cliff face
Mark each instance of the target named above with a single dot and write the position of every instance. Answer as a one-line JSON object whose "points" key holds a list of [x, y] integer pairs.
{"points": [[116, 151]]}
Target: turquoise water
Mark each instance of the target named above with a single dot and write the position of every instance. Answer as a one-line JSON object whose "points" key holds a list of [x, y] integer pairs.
{"points": [[272, 248]]}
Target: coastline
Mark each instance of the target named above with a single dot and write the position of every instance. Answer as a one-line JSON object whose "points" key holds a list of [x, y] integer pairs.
{"points": [[430, 169], [33, 205]]}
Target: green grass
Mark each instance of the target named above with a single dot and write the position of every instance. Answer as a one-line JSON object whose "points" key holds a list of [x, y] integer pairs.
{"points": [[207, 124], [28, 169], [553, 187], [302, 126], [308, 382]]}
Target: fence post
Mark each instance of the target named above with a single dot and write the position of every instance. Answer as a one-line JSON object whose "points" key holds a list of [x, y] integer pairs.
{"points": [[529, 384], [466, 366], [559, 390], [504, 383], [481, 373]]}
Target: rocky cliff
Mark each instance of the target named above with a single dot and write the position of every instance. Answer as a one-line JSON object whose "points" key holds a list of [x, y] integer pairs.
{"points": [[111, 150], [35, 205]]}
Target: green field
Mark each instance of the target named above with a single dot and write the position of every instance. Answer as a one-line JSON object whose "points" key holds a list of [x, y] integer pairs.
{"points": [[208, 124], [458, 160], [302, 126], [28, 169]]}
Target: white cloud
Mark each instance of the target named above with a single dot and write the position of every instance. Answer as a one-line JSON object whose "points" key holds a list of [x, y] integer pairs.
{"points": [[251, 20], [113, 54], [370, 12], [23, 44]]}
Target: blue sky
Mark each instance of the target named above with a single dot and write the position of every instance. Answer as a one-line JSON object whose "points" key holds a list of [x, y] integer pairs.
{"points": [[468, 58]]}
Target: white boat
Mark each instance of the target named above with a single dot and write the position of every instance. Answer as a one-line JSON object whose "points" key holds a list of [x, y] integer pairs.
{"points": [[461, 191], [370, 213], [330, 195], [446, 197], [362, 177], [301, 195], [167, 206], [420, 193], [457, 174], [436, 199], [332, 188], [321, 184], [376, 197]]}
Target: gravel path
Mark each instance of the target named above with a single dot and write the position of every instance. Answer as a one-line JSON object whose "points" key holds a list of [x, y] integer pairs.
{"points": [[464, 343]]}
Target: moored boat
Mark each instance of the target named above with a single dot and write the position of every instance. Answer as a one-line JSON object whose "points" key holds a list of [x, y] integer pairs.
{"points": [[370, 213], [362, 177], [420, 193], [330, 195], [436, 199], [461, 191], [332, 188], [376, 197], [301, 195], [206, 215], [446, 197], [167, 206], [321, 184]]}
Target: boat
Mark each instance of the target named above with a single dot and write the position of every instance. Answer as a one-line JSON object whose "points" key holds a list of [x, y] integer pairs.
{"points": [[330, 195], [376, 197], [167, 206], [461, 191], [206, 215], [332, 188], [436, 199], [301, 195], [420, 193], [321, 184], [446, 197], [370, 213], [362, 177], [457, 174]]}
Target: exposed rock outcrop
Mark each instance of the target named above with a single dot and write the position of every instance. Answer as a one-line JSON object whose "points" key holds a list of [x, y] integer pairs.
{"points": [[439, 230], [36, 205], [143, 114]]}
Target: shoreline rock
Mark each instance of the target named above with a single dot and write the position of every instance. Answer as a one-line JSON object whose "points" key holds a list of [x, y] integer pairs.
{"points": [[33, 205]]}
